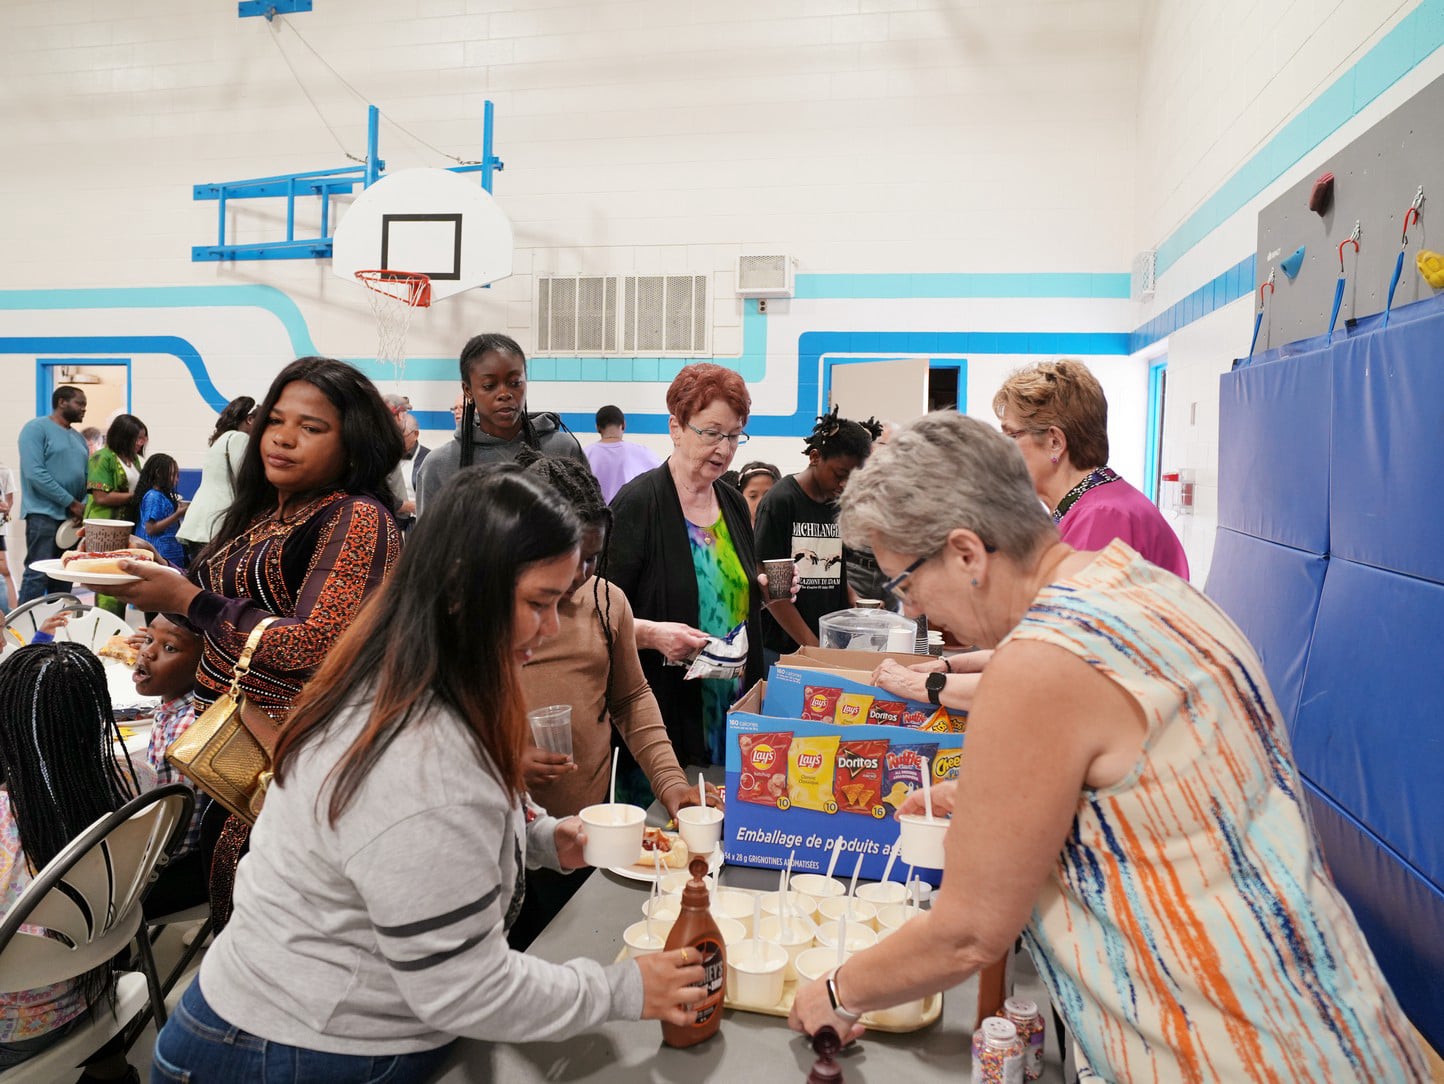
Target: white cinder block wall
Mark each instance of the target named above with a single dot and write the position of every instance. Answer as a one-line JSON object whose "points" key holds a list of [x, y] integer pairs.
{"points": [[942, 155]]}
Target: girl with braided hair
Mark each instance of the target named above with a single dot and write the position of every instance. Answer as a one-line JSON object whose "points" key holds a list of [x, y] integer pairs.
{"points": [[58, 776], [797, 520], [592, 665], [495, 424]]}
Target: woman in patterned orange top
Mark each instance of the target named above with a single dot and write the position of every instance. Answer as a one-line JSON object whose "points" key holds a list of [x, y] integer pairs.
{"points": [[311, 533], [1127, 800]]}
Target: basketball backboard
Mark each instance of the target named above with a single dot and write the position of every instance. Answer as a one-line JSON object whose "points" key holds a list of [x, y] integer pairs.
{"points": [[431, 221]]}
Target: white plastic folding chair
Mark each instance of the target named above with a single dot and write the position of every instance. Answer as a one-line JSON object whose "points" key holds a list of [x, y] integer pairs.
{"points": [[23, 622], [87, 902], [92, 626]]}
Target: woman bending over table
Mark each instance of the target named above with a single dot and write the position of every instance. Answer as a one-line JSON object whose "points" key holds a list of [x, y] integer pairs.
{"points": [[1127, 799]]}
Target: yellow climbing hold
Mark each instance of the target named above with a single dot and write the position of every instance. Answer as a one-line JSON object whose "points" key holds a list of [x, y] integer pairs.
{"points": [[1431, 266]]}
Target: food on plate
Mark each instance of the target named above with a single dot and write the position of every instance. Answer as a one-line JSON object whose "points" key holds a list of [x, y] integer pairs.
{"points": [[107, 561], [671, 848], [118, 648]]}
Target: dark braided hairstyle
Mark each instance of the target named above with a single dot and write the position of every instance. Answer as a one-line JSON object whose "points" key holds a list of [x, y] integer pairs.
{"points": [[57, 756], [156, 474], [471, 354], [833, 436], [573, 479]]}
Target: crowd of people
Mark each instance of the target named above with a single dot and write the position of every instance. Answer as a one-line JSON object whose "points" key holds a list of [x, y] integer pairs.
{"points": [[409, 605]]}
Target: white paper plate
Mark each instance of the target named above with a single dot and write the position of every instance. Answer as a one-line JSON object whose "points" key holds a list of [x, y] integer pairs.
{"points": [[644, 871], [56, 570]]}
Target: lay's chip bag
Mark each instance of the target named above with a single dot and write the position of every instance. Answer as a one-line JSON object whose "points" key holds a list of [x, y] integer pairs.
{"points": [[853, 708], [905, 765], [811, 766], [764, 767], [819, 703]]}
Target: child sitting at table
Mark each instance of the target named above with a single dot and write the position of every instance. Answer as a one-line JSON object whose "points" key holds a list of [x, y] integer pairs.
{"points": [[166, 668]]}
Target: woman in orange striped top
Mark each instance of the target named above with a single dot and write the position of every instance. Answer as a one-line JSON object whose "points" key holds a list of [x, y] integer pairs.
{"points": [[1153, 846]]}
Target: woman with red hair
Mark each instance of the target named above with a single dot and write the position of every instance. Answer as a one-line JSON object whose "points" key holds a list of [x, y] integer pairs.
{"points": [[682, 552]]}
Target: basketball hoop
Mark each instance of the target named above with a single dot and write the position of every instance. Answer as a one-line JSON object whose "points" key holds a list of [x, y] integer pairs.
{"points": [[394, 297]]}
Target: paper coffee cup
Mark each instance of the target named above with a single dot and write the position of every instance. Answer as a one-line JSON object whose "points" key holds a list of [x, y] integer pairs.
{"points": [[107, 534], [779, 578], [614, 834]]}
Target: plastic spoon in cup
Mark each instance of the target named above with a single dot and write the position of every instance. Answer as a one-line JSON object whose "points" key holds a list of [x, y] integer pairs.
{"points": [[615, 754], [836, 851], [887, 869], [852, 888], [785, 906], [912, 895], [927, 789], [841, 939], [701, 791]]}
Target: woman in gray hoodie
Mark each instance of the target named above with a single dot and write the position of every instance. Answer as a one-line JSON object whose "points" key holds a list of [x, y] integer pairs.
{"points": [[495, 424]]}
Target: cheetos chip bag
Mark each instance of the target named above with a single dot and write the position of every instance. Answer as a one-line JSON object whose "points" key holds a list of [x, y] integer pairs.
{"points": [[811, 765]]}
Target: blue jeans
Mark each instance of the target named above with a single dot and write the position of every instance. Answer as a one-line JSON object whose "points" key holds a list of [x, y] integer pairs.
{"points": [[40, 546], [197, 1046]]}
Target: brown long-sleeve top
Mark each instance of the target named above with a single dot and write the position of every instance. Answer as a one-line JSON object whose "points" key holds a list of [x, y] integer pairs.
{"points": [[312, 569], [572, 669]]}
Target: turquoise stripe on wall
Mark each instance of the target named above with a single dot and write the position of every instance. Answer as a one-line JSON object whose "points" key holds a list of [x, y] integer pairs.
{"points": [[1416, 36], [1041, 284]]}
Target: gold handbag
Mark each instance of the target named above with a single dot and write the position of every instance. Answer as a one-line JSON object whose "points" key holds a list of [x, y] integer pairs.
{"points": [[227, 751]]}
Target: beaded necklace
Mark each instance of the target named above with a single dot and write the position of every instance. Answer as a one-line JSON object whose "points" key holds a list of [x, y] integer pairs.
{"points": [[1101, 476]]}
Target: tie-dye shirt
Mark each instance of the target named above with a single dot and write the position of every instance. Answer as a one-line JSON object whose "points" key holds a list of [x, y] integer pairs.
{"points": [[723, 594], [1190, 930]]}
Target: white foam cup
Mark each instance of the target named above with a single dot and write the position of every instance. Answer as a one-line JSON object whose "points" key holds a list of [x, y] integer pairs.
{"points": [[798, 903], [893, 916], [816, 885], [921, 840], [614, 834], [796, 938], [856, 910], [756, 972], [882, 893], [640, 942], [672, 883], [700, 829], [815, 963], [734, 904], [662, 909], [732, 931], [858, 937]]}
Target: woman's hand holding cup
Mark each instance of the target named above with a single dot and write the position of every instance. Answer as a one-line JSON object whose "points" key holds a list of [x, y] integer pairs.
{"points": [[571, 840], [944, 795]]}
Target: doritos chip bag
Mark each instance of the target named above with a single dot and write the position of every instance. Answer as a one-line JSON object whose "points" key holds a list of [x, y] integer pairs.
{"points": [[819, 704], [905, 765], [852, 708], [858, 786], [764, 767], [886, 712], [811, 765]]}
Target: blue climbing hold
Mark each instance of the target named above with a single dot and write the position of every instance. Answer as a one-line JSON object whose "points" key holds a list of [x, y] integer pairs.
{"points": [[1291, 264]]}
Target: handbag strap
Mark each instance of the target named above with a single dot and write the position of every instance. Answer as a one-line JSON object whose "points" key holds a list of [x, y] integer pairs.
{"points": [[243, 664]]}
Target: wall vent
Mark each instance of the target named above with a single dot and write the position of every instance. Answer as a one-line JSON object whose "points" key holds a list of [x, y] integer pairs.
{"points": [[764, 276], [1145, 270], [663, 315]]}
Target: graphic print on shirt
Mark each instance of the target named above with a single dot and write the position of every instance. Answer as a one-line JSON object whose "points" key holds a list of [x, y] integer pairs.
{"points": [[817, 553]]}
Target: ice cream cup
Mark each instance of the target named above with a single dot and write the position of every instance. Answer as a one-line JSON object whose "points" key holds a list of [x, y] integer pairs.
{"points": [[796, 938], [858, 937], [815, 963], [921, 840], [672, 883], [730, 903], [663, 909], [883, 892], [614, 834], [891, 917], [756, 972], [856, 910], [700, 829], [816, 885], [798, 903], [640, 942], [732, 931]]}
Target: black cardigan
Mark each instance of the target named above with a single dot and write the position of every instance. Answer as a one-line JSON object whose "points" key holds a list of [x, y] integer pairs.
{"points": [[650, 559]]}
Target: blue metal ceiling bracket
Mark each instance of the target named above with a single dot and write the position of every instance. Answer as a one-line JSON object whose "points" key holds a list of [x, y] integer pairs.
{"points": [[271, 8]]}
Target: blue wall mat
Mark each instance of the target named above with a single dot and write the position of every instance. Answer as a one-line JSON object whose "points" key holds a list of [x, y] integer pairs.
{"points": [[1272, 593], [1382, 890], [1388, 436], [1368, 731], [1273, 451]]}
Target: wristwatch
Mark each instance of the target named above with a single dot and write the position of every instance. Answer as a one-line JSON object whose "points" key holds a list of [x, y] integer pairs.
{"points": [[934, 684], [837, 1006]]}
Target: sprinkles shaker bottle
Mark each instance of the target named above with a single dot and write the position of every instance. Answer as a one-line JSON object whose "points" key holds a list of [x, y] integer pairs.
{"points": [[1026, 1018], [997, 1053]]}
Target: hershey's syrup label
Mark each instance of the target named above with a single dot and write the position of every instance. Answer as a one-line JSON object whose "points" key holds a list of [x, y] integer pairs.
{"points": [[714, 979]]}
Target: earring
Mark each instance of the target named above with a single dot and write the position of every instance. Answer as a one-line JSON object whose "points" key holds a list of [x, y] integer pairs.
{"points": [[1055, 461], [975, 581]]}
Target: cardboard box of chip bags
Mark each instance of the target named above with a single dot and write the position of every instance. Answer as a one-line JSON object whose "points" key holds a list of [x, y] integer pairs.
{"points": [[831, 696], [799, 785]]}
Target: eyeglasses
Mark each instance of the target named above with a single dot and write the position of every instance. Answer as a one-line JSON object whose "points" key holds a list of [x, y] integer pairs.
{"points": [[1018, 434], [895, 586], [716, 436]]}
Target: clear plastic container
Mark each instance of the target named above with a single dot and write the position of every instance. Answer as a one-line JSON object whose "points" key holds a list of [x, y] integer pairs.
{"points": [[867, 630]]}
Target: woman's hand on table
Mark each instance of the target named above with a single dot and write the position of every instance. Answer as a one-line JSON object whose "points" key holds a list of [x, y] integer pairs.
{"points": [[904, 681], [160, 589], [812, 1009], [571, 837], [944, 794], [678, 642], [671, 982], [538, 767]]}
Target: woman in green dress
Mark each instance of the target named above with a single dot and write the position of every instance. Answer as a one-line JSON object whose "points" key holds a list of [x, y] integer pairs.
{"points": [[111, 480]]}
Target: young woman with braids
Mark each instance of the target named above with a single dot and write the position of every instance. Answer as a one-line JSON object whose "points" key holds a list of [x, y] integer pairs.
{"points": [[797, 520], [494, 424], [396, 841], [309, 536], [58, 776], [592, 665]]}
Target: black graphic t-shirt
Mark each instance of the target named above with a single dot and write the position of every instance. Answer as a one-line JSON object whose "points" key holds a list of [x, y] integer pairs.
{"points": [[791, 524]]}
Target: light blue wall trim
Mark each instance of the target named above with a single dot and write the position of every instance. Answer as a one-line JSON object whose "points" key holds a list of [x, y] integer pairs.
{"points": [[92, 345], [1414, 38], [1154, 430], [1040, 284], [1217, 292]]}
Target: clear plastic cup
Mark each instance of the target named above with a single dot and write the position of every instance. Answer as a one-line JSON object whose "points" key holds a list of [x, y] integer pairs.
{"points": [[551, 728], [700, 829], [921, 840], [614, 834], [756, 972]]}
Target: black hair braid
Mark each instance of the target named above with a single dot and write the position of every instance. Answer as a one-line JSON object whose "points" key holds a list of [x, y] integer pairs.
{"points": [[57, 735], [574, 480], [468, 424], [833, 436], [528, 431]]}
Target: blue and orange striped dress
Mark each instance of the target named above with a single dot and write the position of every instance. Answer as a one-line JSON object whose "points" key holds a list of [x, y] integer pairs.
{"points": [[1190, 930]]}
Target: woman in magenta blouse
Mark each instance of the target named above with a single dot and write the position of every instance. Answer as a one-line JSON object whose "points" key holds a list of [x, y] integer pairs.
{"points": [[1057, 414]]}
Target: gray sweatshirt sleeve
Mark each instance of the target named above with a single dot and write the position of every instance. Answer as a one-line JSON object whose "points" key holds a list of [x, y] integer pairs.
{"points": [[446, 947]]}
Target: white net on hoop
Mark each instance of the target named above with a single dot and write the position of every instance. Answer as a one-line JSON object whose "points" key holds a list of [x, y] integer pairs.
{"points": [[394, 297]]}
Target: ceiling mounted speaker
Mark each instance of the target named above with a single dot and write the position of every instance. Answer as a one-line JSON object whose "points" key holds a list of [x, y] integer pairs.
{"points": [[764, 276]]}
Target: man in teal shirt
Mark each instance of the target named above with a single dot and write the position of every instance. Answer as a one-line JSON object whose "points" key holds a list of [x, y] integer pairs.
{"points": [[53, 458]]}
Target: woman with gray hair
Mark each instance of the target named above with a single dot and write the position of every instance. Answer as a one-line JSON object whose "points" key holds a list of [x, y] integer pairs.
{"points": [[1127, 799]]}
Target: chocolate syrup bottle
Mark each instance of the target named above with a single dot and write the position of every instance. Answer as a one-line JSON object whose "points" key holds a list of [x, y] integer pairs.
{"points": [[695, 929]]}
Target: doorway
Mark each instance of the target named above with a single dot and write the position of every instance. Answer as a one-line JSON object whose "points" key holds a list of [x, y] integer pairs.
{"points": [[105, 381], [1153, 447]]}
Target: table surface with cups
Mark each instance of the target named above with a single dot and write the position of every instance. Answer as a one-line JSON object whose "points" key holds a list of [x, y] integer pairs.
{"points": [[750, 1046]]}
